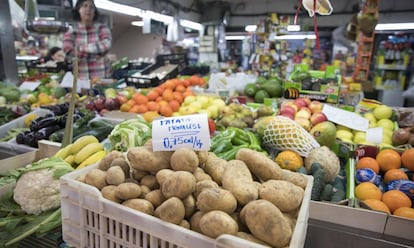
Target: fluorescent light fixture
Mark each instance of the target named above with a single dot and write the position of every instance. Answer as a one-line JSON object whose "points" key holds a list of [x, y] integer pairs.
{"points": [[191, 25], [137, 23], [395, 26], [116, 7], [235, 37], [296, 37], [293, 28], [250, 28], [156, 16]]}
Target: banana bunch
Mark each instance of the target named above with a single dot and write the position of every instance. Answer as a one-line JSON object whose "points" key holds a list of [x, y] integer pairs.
{"points": [[83, 152]]}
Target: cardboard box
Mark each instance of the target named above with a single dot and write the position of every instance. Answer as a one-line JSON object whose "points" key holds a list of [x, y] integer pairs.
{"points": [[323, 86]]}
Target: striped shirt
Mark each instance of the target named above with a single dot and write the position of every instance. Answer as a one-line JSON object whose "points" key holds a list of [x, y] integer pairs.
{"points": [[93, 43]]}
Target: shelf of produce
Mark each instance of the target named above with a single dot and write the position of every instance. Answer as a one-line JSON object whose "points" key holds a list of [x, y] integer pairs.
{"points": [[392, 67]]}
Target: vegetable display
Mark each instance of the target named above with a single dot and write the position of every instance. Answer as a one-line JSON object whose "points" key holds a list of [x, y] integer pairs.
{"points": [[32, 206]]}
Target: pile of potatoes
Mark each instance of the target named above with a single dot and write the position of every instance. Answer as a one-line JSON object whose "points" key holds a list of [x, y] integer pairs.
{"points": [[250, 197]]}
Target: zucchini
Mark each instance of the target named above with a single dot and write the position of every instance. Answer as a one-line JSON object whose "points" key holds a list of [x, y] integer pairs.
{"points": [[100, 133]]}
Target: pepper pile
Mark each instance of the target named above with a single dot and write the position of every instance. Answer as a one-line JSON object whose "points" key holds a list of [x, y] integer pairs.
{"points": [[228, 142]]}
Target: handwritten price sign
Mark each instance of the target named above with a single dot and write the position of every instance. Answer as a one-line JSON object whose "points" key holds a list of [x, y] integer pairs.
{"points": [[189, 131]]}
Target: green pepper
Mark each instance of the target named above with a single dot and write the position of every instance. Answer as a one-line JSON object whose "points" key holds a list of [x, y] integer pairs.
{"points": [[223, 146], [231, 154], [240, 133], [254, 141], [221, 137]]}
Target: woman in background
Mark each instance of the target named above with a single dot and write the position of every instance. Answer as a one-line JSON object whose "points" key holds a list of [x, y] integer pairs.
{"points": [[92, 41], [55, 54]]}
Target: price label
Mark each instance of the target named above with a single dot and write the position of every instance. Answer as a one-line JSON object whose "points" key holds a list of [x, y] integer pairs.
{"points": [[189, 131], [375, 135], [29, 85], [345, 118]]}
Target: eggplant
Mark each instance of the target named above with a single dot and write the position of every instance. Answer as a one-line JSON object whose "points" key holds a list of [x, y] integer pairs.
{"points": [[45, 122], [45, 132], [30, 140], [20, 138]]}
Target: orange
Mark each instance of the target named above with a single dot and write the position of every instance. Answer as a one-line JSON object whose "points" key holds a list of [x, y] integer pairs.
{"points": [[131, 102], [150, 116], [175, 105], [166, 111], [180, 88], [188, 93], [158, 99], [377, 205], [194, 80], [202, 82], [407, 159], [125, 107], [159, 89], [394, 174], [368, 162], [134, 109], [168, 95], [388, 159], [178, 96], [367, 190], [153, 106], [405, 212], [142, 108], [169, 84], [152, 95], [186, 83], [163, 103], [140, 99], [396, 199]]}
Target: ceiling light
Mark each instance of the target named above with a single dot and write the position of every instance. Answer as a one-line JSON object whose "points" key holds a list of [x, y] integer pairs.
{"points": [[156, 16], [250, 28], [191, 25], [116, 7], [295, 37], [395, 26], [138, 23], [235, 37], [293, 28]]}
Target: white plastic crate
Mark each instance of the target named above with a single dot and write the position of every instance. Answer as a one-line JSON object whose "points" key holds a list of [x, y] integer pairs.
{"points": [[89, 220]]}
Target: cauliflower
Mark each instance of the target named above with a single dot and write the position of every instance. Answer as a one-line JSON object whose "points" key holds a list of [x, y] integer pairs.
{"points": [[37, 189]]}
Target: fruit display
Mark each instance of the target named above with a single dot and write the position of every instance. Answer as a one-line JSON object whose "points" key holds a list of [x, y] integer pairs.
{"points": [[384, 181], [210, 105], [264, 88], [238, 115]]}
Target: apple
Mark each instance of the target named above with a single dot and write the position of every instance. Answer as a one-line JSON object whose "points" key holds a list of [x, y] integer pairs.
{"points": [[304, 112], [293, 105], [315, 106], [300, 102], [287, 109], [122, 98], [318, 117], [304, 122], [288, 115]]}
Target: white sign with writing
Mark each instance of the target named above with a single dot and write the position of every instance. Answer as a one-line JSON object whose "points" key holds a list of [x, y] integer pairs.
{"points": [[375, 135], [189, 131], [345, 118], [29, 85], [67, 82]]}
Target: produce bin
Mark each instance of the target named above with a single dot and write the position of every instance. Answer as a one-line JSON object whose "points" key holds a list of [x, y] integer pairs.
{"points": [[89, 220]]}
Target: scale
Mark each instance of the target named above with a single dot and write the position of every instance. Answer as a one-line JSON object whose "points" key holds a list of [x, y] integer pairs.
{"points": [[35, 24]]}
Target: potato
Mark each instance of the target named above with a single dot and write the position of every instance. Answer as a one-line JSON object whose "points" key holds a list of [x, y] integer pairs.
{"points": [[195, 221], [267, 223], [249, 237], [214, 166], [115, 175], [81, 178], [283, 194], [185, 224], [150, 181], [200, 175], [202, 157], [172, 210], [106, 161], [216, 199], [189, 205], [162, 175], [138, 174], [121, 162], [109, 192], [259, 164], [184, 159], [144, 191], [126, 191], [155, 197], [96, 178], [200, 186], [142, 158], [140, 205], [242, 226], [239, 181], [294, 177], [179, 184], [291, 217], [216, 223]]}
